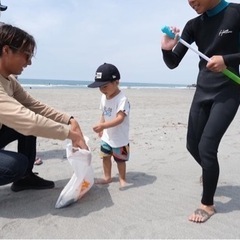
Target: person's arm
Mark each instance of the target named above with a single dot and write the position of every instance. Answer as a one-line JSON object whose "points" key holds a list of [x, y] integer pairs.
{"points": [[174, 51], [36, 106], [108, 124], [25, 121], [14, 115], [232, 59]]}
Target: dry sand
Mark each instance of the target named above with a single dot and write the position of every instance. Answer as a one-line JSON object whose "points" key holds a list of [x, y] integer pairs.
{"points": [[165, 179]]}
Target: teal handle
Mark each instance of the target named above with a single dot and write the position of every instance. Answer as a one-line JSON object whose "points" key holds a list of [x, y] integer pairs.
{"points": [[168, 32]]}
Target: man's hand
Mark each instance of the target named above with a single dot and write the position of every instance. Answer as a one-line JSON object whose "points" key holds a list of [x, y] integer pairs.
{"points": [[216, 64], [75, 134]]}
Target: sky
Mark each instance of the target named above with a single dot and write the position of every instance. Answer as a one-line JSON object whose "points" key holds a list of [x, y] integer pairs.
{"points": [[74, 37]]}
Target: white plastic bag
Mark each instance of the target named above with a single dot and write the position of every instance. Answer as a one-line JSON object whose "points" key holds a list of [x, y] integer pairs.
{"points": [[82, 178]]}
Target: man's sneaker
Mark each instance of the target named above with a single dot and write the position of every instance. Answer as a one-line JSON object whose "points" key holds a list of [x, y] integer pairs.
{"points": [[31, 181]]}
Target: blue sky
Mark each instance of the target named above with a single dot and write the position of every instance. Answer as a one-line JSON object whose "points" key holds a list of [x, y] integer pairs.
{"points": [[74, 37]]}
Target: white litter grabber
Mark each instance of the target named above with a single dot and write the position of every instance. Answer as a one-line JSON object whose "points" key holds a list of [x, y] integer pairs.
{"points": [[227, 72]]}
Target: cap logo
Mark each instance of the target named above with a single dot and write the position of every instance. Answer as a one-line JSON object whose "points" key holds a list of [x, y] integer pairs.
{"points": [[113, 76], [98, 75]]}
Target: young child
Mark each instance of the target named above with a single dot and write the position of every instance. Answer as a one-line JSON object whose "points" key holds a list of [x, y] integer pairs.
{"points": [[113, 127]]}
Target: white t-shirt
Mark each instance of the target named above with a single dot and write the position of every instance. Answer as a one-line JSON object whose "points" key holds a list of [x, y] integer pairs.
{"points": [[117, 136]]}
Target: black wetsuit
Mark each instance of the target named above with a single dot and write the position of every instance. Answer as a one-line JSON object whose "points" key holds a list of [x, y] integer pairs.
{"points": [[216, 100]]}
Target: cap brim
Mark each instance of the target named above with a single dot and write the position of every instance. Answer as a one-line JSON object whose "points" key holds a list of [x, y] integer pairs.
{"points": [[98, 84], [3, 8]]}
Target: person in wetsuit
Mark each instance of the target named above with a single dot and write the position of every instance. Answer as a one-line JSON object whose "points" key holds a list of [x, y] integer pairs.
{"points": [[216, 32]]}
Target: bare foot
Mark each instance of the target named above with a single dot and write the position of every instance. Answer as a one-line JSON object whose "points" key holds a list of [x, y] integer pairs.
{"points": [[124, 185], [202, 214], [38, 161], [102, 180], [122, 182]]}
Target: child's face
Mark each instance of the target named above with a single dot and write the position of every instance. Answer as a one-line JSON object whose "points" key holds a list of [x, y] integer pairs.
{"points": [[201, 6], [110, 89]]}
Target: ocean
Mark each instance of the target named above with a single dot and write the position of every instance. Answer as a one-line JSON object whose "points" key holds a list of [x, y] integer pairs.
{"points": [[40, 83]]}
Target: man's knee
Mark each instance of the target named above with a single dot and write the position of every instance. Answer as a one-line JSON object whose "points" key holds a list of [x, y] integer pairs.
{"points": [[192, 147], [15, 170]]}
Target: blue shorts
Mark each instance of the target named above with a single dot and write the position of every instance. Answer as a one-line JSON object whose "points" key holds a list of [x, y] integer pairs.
{"points": [[120, 154]]}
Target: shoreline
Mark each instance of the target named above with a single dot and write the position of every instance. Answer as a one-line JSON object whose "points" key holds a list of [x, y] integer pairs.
{"points": [[40, 83]]}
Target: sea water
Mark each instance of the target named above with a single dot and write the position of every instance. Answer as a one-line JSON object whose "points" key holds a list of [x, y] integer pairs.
{"points": [[44, 83]]}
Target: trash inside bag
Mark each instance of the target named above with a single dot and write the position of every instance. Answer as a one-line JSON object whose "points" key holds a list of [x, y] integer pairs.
{"points": [[82, 178]]}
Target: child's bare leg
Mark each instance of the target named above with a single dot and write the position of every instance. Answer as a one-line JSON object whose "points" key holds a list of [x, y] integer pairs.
{"points": [[107, 167], [122, 173]]}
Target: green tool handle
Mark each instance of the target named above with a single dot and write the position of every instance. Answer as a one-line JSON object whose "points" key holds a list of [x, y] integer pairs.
{"points": [[231, 75]]}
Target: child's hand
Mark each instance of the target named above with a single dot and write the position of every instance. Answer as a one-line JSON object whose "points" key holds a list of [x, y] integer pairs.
{"points": [[100, 134], [98, 128]]}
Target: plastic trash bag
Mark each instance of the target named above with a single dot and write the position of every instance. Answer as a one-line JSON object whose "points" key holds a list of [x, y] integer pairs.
{"points": [[82, 178]]}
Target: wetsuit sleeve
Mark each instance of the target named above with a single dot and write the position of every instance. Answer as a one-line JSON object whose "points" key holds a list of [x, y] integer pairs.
{"points": [[232, 59]]}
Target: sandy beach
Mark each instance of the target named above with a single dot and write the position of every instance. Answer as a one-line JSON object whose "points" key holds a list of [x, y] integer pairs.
{"points": [[164, 178]]}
